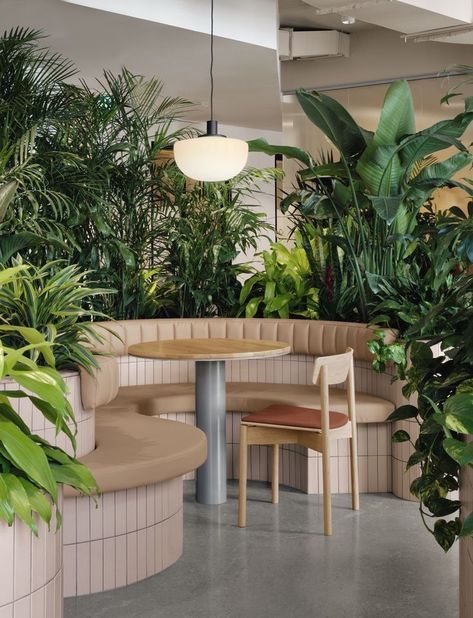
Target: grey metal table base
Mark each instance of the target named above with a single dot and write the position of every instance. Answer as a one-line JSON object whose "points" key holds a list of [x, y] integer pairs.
{"points": [[210, 410]]}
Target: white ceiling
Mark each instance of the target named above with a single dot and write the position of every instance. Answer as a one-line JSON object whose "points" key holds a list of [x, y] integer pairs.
{"points": [[298, 14], [247, 90]]}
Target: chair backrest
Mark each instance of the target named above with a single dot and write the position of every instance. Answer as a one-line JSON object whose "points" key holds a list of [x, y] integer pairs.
{"points": [[337, 367]]}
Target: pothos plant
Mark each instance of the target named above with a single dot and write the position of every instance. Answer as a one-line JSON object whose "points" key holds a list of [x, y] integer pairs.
{"points": [[444, 410], [31, 469]]}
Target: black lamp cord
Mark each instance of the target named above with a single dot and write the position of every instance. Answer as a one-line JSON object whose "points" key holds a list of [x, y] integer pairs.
{"points": [[211, 59]]}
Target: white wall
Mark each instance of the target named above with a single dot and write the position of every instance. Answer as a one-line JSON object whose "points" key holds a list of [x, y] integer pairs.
{"points": [[248, 21], [374, 55]]}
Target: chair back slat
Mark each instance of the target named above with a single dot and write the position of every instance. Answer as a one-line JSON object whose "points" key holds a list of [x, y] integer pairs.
{"points": [[337, 367]]}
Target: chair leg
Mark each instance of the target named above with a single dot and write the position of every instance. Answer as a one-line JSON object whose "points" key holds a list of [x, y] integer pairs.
{"points": [[275, 476], [327, 490], [355, 491], [243, 476]]}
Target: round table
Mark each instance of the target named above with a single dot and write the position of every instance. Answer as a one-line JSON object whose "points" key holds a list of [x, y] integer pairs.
{"points": [[210, 409]]}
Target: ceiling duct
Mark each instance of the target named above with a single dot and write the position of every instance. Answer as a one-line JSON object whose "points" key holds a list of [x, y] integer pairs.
{"points": [[310, 44]]}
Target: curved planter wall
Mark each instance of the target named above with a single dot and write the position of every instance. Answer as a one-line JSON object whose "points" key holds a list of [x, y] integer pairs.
{"points": [[30, 572], [122, 538], [37, 422]]}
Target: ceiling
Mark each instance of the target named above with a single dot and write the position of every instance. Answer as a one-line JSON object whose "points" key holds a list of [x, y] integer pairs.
{"points": [[247, 90], [298, 14]]}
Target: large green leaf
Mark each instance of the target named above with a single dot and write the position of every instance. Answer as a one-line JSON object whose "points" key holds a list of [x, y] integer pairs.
{"points": [[397, 115], [386, 207], [38, 501], [447, 168], [458, 413], [334, 121], [440, 136], [291, 152], [19, 500], [27, 456], [381, 170], [461, 452], [6, 510]]}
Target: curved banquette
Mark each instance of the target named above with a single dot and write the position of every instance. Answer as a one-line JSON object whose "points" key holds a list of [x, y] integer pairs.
{"points": [[146, 441]]}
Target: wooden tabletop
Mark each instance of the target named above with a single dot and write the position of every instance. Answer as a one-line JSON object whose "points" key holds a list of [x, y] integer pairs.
{"points": [[209, 349]]}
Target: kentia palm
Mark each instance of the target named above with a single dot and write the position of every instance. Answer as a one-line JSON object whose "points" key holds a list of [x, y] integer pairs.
{"points": [[204, 229]]}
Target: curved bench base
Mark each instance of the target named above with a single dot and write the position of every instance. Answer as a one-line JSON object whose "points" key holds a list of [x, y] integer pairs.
{"points": [[125, 537]]}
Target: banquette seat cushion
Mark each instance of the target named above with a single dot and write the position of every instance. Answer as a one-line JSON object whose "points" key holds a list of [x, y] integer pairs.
{"points": [[133, 450], [156, 399]]}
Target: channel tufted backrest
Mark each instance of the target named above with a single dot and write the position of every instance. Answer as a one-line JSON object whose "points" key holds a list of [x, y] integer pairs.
{"points": [[312, 337]]}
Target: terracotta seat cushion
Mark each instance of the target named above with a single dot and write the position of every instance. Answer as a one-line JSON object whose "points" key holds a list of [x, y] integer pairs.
{"points": [[293, 416]]}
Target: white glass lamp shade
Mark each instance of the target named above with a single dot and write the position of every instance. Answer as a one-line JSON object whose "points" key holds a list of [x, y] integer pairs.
{"points": [[211, 158]]}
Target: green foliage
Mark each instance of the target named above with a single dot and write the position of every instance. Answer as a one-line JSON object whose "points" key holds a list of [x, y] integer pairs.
{"points": [[444, 386], [205, 228], [83, 182], [284, 288], [54, 301], [366, 207], [30, 468]]}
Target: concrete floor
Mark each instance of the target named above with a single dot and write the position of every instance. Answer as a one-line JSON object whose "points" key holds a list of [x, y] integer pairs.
{"points": [[380, 563]]}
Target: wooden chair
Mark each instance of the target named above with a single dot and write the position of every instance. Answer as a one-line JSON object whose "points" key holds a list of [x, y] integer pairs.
{"points": [[312, 428]]}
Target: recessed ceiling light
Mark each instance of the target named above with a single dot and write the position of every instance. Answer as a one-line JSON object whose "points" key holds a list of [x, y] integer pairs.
{"points": [[348, 20]]}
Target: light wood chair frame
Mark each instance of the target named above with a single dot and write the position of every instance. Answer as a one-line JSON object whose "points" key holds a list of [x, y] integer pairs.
{"points": [[328, 371]]}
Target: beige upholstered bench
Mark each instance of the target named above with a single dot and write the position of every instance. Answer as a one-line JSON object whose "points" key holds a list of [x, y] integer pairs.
{"points": [[165, 388], [136, 529]]}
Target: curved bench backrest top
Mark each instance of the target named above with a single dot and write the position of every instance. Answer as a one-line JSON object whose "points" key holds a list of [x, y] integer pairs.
{"points": [[311, 337]]}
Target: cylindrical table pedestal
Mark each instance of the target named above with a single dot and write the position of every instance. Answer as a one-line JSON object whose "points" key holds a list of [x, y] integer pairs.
{"points": [[211, 478]]}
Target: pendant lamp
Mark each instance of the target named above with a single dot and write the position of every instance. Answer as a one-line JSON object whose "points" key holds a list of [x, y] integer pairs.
{"points": [[211, 157]]}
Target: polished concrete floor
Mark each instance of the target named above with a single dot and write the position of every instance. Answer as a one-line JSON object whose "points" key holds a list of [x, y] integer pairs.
{"points": [[380, 563]]}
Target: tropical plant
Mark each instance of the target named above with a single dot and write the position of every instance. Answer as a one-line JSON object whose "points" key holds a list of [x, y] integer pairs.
{"points": [[55, 301], [367, 203], [206, 227], [283, 289], [444, 411], [30, 468]]}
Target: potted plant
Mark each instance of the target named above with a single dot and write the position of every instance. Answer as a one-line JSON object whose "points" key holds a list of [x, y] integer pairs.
{"points": [[32, 471]]}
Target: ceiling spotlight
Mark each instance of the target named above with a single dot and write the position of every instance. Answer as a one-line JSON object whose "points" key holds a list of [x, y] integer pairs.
{"points": [[348, 20]]}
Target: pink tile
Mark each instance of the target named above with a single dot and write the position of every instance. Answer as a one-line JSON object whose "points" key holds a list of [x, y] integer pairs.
{"points": [[22, 560], [83, 568], [108, 503], [120, 512], [83, 519], [6, 611], [131, 510], [150, 550], [109, 564], [141, 507], [131, 557], [120, 561], [22, 608], [141, 554], [70, 570], [38, 603], [96, 566]]}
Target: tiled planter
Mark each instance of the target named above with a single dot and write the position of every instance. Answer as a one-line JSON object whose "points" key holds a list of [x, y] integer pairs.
{"points": [[125, 537], [30, 572], [85, 419]]}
